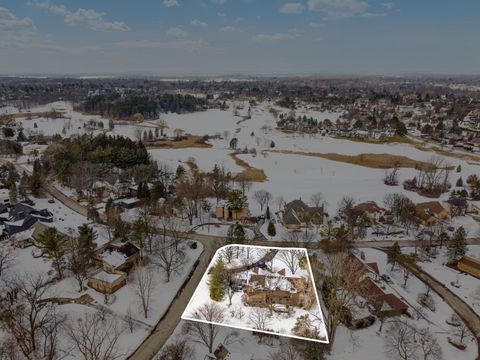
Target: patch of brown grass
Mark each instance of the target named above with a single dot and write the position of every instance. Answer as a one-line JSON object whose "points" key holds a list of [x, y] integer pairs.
{"points": [[374, 161], [249, 173], [190, 141], [390, 140]]}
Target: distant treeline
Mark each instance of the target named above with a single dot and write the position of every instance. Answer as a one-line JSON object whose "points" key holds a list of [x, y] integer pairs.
{"points": [[112, 151], [124, 107]]}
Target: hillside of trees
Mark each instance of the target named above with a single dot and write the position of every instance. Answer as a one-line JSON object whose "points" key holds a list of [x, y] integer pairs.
{"points": [[116, 107]]}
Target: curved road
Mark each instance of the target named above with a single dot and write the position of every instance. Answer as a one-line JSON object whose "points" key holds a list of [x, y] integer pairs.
{"points": [[463, 310]]}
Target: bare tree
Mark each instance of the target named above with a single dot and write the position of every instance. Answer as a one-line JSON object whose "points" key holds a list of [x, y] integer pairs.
{"points": [[28, 318], [168, 257], [177, 350], [460, 329], [206, 334], [317, 199], [130, 319], [285, 352], [291, 258], [401, 341], [344, 279], [263, 197], [259, 318], [95, 338], [144, 284], [7, 259], [280, 202], [429, 346]]}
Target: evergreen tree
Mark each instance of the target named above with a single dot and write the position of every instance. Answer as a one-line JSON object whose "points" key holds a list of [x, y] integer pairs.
{"points": [[86, 240], [52, 244], [459, 182], [233, 143], [267, 213], [459, 168], [457, 245], [271, 229], [218, 281], [236, 200], [12, 193]]}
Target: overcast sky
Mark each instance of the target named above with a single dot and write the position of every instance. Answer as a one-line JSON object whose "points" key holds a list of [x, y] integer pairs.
{"points": [[214, 37]]}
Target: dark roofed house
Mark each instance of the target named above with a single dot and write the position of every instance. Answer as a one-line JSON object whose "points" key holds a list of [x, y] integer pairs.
{"points": [[382, 304], [22, 217], [297, 214]]}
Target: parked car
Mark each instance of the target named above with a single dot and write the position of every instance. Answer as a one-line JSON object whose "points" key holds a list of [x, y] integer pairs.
{"points": [[36, 253], [386, 278], [22, 244], [51, 201]]}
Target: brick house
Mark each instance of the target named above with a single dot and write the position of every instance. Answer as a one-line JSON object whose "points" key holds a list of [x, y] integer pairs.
{"points": [[431, 212], [264, 290]]}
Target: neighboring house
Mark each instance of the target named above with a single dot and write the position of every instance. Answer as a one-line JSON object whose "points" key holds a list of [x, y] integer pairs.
{"points": [[297, 214], [431, 212], [469, 265], [107, 283], [22, 217], [117, 256], [130, 203], [222, 212], [373, 212], [264, 290], [369, 270], [381, 303]]}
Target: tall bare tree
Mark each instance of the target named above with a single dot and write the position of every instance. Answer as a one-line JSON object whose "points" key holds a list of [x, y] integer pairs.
{"points": [[263, 197], [30, 320], [168, 257], [95, 337], [291, 258], [144, 284], [207, 334]]}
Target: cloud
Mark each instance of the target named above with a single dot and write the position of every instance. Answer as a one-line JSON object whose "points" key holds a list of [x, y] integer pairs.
{"points": [[177, 32], [90, 18], [9, 22], [148, 44], [270, 38], [198, 23], [338, 9], [292, 8], [219, 2], [221, 14], [170, 3], [229, 29]]}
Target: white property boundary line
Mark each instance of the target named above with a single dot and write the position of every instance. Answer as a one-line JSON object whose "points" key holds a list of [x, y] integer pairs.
{"points": [[204, 280]]}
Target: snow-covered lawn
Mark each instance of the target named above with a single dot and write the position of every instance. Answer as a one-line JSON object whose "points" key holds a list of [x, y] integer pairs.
{"points": [[242, 316], [369, 344], [465, 286], [122, 303]]}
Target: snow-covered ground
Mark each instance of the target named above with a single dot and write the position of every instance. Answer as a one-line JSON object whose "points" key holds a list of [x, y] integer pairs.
{"points": [[122, 303], [242, 316], [370, 344], [465, 286]]}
